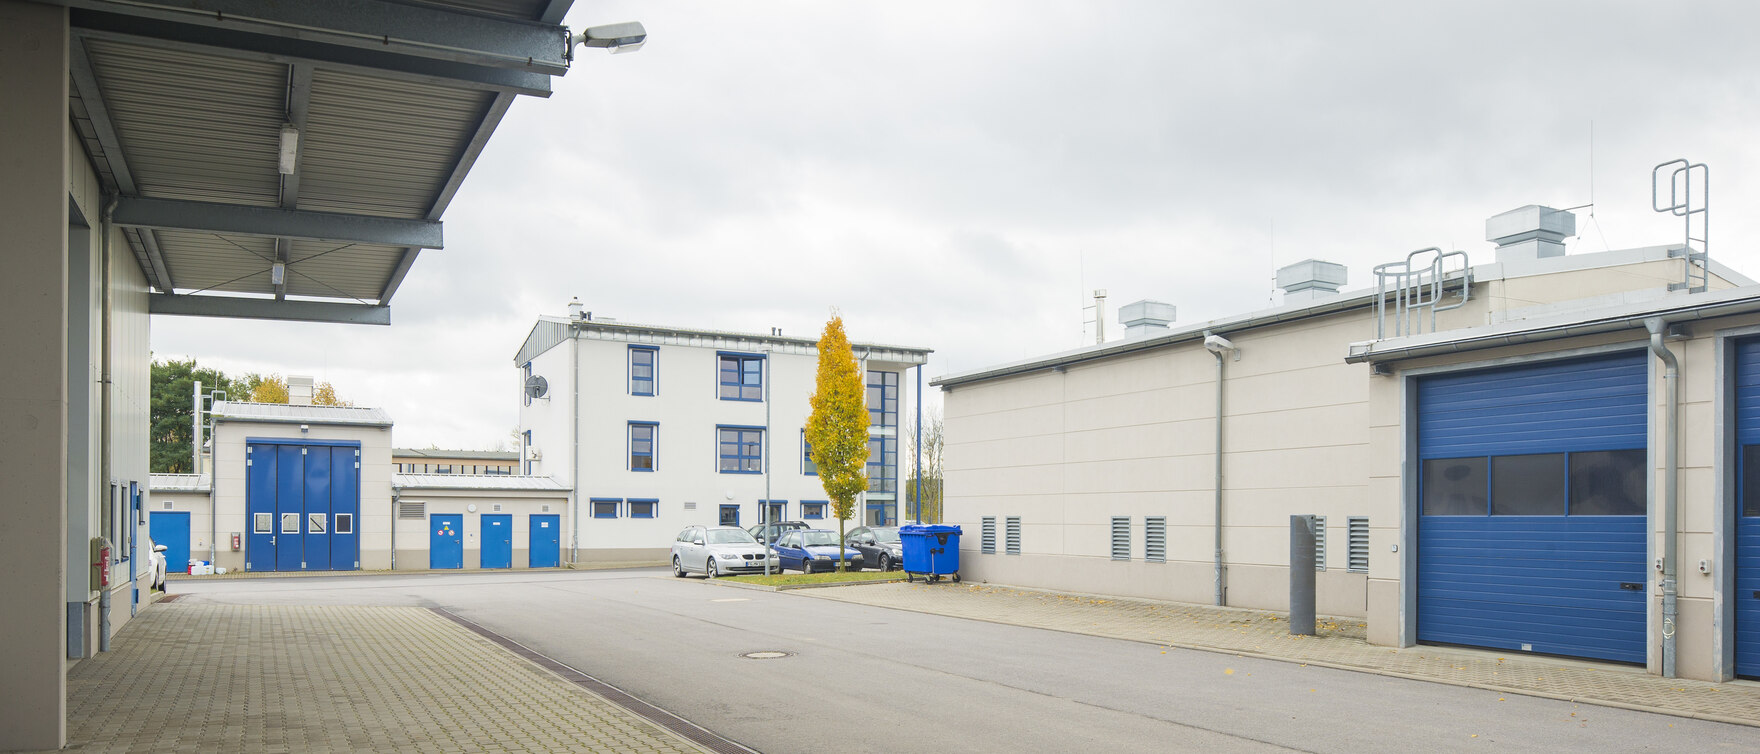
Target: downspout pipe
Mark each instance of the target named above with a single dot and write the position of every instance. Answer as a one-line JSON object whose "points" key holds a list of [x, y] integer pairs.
{"points": [[1217, 346], [1671, 469], [105, 435], [574, 436], [394, 500]]}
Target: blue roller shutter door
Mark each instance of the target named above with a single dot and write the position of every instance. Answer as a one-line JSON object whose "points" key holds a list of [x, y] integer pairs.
{"points": [[1531, 530], [1747, 549]]}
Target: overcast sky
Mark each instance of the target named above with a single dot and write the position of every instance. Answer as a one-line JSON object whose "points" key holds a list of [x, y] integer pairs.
{"points": [[959, 175]]}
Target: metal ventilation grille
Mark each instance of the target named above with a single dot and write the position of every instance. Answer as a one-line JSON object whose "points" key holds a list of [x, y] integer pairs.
{"points": [[988, 543], [1121, 537], [544, 508], [1155, 538], [1359, 544], [1319, 543], [412, 510], [1012, 535], [497, 507], [690, 506]]}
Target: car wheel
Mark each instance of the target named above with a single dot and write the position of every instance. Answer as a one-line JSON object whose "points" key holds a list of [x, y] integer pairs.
{"points": [[677, 568], [709, 568], [885, 562]]}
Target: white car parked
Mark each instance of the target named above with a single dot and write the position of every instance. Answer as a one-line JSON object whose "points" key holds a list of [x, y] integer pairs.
{"points": [[155, 574], [718, 551]]}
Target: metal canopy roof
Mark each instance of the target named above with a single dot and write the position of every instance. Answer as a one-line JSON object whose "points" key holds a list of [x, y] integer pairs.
{"points": [[181, 105]]}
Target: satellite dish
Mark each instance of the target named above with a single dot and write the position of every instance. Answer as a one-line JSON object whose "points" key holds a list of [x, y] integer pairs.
{"points": [[537, 387]]}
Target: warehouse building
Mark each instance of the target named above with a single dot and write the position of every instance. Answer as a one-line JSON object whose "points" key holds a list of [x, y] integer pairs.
{"points": [[658, 428], [1548, 453]]}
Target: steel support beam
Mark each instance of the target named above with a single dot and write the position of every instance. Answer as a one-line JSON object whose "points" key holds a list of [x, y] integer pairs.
{"points": [[86, 83], [247, 46], [417, 31], [263, 308], [299, 102], [234, 219]]}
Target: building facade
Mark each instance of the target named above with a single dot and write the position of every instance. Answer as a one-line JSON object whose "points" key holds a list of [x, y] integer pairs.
{"points": [[1495, 467], [658, 428]]}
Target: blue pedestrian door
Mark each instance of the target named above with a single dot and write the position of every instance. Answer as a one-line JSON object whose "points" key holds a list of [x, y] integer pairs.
{"points": [[1747, 549], [171, 528], [1533, 497], [545, 548], [497, 541], [446, 540]]}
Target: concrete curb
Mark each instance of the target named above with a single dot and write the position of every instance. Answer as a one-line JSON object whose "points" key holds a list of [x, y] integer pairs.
{"points": [[793, 587]]}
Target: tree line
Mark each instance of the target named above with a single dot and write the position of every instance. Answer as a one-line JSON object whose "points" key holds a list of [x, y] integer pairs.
{"points": [[172, 406]]}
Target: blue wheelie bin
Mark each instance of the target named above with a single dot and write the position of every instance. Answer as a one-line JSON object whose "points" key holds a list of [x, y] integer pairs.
{"points": [[930, 551]]}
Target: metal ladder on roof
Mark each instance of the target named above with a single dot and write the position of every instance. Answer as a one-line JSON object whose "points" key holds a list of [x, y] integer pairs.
{"points": [[1425, 283], [1689, 198]]}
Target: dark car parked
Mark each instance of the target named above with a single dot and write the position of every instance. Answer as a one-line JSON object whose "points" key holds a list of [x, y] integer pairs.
{"points": [[809, 550], [879, 545], [770, 532]]}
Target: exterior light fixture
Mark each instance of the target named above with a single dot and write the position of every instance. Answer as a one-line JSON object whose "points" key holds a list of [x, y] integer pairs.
{"points": [[278, 274], [618, 38], [289, 148]]}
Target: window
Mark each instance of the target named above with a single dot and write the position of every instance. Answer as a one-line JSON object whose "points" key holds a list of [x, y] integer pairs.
{"points": [[290, 523], [345, 523], [444, 468], [605, 507], [643, 508], [1121, 538], [642, 436], [641, 370], [882, 399], [742, 449], [1012, 535], [882, 464], [729, 515], [1750, 480], [813, 509], [742, 377], [316, 523], [1155, 539], [1531, 485], [1609, 483], [807, 466], [1358, 530], [775, 510], [1455, 487], [987, 543]]}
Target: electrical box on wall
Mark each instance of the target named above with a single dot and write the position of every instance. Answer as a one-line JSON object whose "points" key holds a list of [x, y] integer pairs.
{"points": [[235, 541]]}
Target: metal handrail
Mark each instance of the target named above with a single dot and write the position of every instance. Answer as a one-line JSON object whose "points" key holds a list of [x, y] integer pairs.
{"points": [[1694, 278], [1415, 289]]}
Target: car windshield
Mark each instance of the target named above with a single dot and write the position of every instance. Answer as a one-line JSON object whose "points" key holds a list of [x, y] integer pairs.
{"points": [[730, 537], [818, 538], [887, 536]]}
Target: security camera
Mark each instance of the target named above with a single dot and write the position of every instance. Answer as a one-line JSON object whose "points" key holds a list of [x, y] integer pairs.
{"points": [[1217, 344], [618, 38]]}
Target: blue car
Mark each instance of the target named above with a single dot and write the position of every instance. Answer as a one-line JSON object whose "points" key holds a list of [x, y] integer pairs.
{"points": [[809, 550]]}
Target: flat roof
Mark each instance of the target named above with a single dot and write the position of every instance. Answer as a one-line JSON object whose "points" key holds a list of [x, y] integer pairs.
{"points": [[299, 414], [550, 331], [485, 455], [485, 482]]}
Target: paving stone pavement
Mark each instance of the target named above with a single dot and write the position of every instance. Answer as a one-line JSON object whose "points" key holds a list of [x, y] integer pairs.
{"points": [[1340, 643], [191, 677]]}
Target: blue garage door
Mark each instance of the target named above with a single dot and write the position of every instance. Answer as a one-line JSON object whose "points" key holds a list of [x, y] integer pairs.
{"points": [[1747, 550], [302, 502], [1532, 494]]}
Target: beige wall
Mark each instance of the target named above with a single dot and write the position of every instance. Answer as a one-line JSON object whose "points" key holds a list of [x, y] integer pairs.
{"points": [[229, 478], [412, 535]]}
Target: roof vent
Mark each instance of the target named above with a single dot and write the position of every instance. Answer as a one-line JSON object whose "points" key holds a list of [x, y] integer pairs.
{"points": [[1311, 280], [1532, 232], [575, 309], [299, 390], [1145, 318]]}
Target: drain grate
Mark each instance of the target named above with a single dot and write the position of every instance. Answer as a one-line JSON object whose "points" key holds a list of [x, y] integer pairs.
{"points": [[768, 654]]}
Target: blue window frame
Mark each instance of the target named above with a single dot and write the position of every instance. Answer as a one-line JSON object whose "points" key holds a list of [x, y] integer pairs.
{"points": [[882, 399], [741, 449], [643, 508], [644, 440], [525, 462], [882, 464], [641, 369], [807, 466], [742, 376], [729, 515], [813, 508], [606, 507]]}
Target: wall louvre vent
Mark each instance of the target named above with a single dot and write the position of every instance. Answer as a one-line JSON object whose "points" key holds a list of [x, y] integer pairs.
{"points": [[1121, 537], [1012, 535], [417, 510], [544, 509], [690, 506], [1155, 539], [497, 508], [1319, 543], [987, 544], [1359, 544], [167, 505]]}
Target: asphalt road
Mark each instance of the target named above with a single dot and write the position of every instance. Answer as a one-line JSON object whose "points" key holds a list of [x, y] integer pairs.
{"points": [[864, 679]]}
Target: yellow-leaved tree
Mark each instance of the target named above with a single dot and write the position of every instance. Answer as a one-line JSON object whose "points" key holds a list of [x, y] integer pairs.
{"points": [[838, 426], [325, 395], [270, 389]]}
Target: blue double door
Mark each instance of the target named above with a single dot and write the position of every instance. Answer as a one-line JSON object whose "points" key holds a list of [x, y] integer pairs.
{"points": [[302, 502], [1532, 494]]}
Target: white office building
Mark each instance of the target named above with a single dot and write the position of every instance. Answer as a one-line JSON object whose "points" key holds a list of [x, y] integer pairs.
{"points": [[657, 428]]}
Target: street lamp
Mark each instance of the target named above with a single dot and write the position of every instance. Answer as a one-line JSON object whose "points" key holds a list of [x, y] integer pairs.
{"points": [[618, 38]]}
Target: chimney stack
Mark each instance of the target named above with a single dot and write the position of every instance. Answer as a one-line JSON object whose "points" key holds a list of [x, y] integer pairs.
{"points": [[299, 390], [1311, 280], [574, 308], [1145, 318], [1530, 233]]}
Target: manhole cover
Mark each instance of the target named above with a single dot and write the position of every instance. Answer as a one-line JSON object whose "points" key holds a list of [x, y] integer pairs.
{"points": [[770, 654]]}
